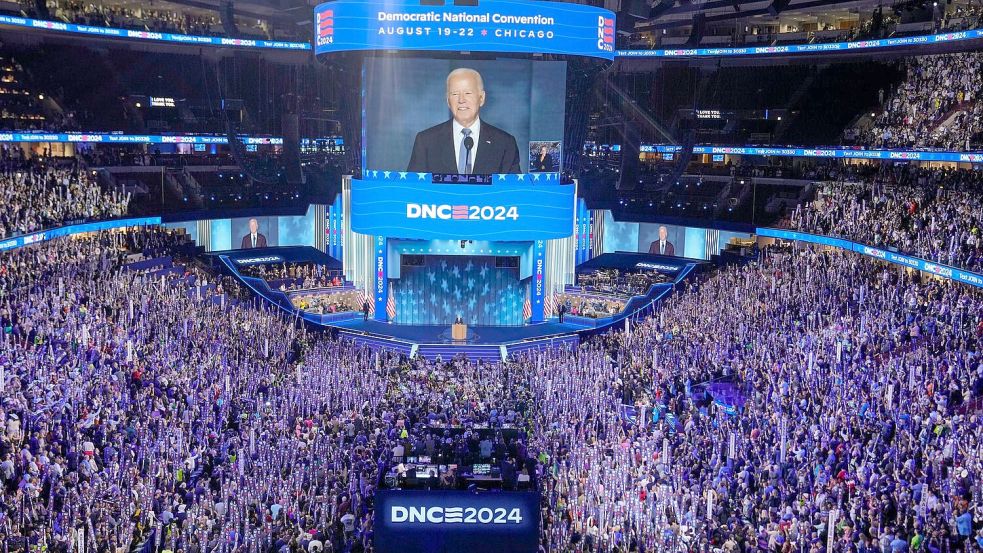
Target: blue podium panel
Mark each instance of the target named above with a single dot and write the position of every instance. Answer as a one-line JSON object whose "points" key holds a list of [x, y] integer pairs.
{"points": [[514, 207], [520, 26], [411, 521]]}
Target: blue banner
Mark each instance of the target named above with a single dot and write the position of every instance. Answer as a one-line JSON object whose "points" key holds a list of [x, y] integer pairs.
{"points": [[911, 262], [814, 48], [790, 151], [335, 214], [843, 153], [524, 26], [134, 138], [381, 289], [538, 292], [411, 521], [515, 207], [44, 235], [584, 224], [109, 32]]}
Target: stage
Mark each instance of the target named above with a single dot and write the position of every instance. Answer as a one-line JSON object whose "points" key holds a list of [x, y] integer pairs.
{"points": [[484, 341]]}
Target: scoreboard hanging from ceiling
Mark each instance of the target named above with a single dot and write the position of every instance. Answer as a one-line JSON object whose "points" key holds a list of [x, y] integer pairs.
{"points": [[516, 26]]}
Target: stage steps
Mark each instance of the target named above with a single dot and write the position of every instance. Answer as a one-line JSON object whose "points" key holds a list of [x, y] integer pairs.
{"points": [[378, 343]]}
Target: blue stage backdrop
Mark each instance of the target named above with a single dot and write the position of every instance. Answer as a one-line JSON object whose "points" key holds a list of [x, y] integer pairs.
{"points": [[444, 287]]}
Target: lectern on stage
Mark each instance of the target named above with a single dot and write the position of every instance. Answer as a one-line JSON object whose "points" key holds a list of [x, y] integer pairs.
{"points": [[459, 332]]}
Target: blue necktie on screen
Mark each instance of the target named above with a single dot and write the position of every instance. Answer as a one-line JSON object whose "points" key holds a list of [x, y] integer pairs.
{"points": [[463, 163]]}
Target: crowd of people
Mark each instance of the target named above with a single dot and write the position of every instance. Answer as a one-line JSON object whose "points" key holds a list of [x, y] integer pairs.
{"points": [[324, 302], [143, 18], [853, 424], [937, 105], [936, 214], [594, 306], [618, 282], [295, 275], [140, 18], [41, 193], [139, 417]]}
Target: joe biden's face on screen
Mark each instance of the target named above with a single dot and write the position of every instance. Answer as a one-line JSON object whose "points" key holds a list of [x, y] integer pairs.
{"points": [[475, 146], [465, 95]]}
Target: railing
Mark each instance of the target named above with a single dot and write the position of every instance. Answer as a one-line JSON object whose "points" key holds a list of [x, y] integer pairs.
{"points": [[912, 262], [68, 230], [813, 48]]}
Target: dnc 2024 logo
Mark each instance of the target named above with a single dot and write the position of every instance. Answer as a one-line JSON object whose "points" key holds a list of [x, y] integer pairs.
{"points": [[938, 270], [462, 212], [325, 27], [454, 515], [605, 33]]}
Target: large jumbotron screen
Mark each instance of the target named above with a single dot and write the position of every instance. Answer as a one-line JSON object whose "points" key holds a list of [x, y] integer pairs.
{"points": [[416, 111]]}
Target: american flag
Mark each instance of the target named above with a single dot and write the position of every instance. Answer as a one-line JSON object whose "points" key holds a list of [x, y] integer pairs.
{"points": [[609, 31], [549, 305], [325, 23], [391, 304], [527, 308]]}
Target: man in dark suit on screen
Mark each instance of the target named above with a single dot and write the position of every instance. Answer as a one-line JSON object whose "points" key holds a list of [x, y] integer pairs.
{"points": [[465, 144], [254, 239], [662, 246]]}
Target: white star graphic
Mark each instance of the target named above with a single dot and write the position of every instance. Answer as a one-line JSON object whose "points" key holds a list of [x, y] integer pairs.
{"points": [[522, 177], [421, 176], [402, 176], [501, 177], [535, 176], [386, 174]]}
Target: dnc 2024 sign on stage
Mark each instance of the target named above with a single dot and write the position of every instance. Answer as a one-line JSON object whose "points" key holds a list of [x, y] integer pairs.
{"points": [[520, 26], [513, 208]]}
